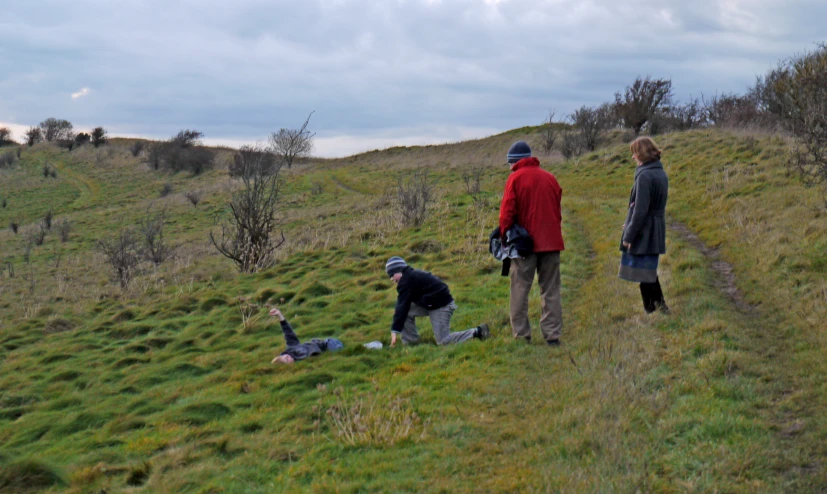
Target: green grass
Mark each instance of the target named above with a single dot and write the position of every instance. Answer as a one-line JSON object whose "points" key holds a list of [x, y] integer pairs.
{"points": [[163, 388]]}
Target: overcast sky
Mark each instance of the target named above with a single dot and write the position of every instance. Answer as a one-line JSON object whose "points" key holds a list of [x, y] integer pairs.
{"points": [[377, 72]]}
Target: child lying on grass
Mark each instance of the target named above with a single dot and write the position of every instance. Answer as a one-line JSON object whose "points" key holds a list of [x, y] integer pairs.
{"points": [[296, 350]]}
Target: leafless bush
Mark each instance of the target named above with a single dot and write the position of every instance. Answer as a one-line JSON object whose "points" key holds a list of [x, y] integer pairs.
{"points": [[640, 102], [81, 138], [414, 194], [64, 228], [3, 203], [289, 144], [153, 246], [590, 123], [10, 269], [182, 152], [802, 93], [249, 156], [14, 226], [245, 236], [7, 159], [549, 131], [571, 144], [46, 170], [6, 136], [36, 235], [194, 197], [33, 136], [137, 148], [689, 115], [166, 190], [121, 253], [19, 152], [47, 219], [731, 110]]}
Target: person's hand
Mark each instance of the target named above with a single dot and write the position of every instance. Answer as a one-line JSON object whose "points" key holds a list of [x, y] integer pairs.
{"points": [[275, 312], [393, 339], [627, 245]]}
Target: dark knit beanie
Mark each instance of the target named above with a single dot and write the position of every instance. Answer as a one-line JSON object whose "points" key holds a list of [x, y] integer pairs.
{"points": [[395, 265], [518, 151]]}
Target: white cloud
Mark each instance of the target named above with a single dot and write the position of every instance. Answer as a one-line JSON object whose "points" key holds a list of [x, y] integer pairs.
{"points": [[80, 94]]}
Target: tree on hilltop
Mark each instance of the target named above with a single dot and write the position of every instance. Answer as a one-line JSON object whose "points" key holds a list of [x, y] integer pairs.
{"points": [[33, 136], [290, 144], [56, 130], [641, 101], [99, 137], [6, 136]]}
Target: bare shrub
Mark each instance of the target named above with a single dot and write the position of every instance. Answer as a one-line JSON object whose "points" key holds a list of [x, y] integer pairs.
{"points": [[19, 152], [194, 197], [245, 235], [3, 203], [7, 159], [182, 152], [248, 156], [590, 123], [99, 136], [549, 131], [64, 228], [802, 93], [6, 136], [414, 193], [14, 226], [121, 253], [36, 235], [46, 170], [686, 116], [154, 247], [289, 144], [33, 136], [375, 419], [54, 129], [641, 101], [731, 110], [166, 190], [136, 148], [571, 144], [47, 219]]}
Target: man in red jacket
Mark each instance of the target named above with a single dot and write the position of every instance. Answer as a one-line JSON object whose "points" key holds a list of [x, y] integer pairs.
{"points": [[532, 200]]}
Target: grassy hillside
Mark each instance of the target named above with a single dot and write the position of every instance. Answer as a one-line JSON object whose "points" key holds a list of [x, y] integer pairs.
{"points": [[167, 387]]}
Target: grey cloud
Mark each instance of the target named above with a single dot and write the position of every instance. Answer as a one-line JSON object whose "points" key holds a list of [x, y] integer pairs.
{"points": [[238, 70]]}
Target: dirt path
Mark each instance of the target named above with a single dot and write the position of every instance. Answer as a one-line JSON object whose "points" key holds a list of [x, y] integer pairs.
{"points": [[726, 273], [345, 186], [89, 188]]}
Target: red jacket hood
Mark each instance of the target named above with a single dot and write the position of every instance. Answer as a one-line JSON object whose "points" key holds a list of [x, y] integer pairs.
{"points": [[530, 161]]}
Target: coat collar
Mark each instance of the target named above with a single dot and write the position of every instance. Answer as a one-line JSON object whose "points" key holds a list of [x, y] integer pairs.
{"points": [[648, 166], [525, 162]]}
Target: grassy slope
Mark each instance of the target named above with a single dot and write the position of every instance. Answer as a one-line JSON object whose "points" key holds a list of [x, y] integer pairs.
{"points": [[164, 388]]}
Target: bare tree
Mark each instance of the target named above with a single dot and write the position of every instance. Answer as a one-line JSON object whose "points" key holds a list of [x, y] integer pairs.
{"points": [[642, 100], [245, 236], [182, 152], [590, 122], [33, 136], [121, 252], [154, 247], [99, 137], [731, 110], [571, 144], [64, 229], [289, 144], [56, 130], [137, 148], [549, 131], [414, 194], [689, 115]]}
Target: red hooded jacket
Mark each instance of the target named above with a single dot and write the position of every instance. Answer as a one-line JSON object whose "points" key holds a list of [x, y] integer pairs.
{"points": [[532, 200]]}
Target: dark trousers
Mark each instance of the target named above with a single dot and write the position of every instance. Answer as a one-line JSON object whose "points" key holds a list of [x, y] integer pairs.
{"points": [[652, 297]]}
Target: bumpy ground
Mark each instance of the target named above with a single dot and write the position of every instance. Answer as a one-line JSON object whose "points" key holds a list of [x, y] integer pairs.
{"points": [[167, 386]]}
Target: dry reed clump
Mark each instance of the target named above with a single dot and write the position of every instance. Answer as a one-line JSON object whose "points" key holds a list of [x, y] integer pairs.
{"points": [[373, 418]]}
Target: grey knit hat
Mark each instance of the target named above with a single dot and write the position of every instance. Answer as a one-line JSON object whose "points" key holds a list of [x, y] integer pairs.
{"points": [[518, 151], [395, 265]]}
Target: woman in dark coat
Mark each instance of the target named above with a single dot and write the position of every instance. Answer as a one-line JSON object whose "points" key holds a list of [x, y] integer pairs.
{"points": [[644, 233]]}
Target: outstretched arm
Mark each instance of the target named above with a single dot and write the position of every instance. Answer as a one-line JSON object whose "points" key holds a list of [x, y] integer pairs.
{"points": [[289, 335]]}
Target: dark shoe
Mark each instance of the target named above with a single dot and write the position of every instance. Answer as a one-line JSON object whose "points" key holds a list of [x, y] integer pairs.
{"points": [[482, 332], [553, 342]]}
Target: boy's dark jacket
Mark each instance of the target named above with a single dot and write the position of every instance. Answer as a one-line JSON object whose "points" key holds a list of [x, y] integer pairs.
{"points": [[421, 288]]}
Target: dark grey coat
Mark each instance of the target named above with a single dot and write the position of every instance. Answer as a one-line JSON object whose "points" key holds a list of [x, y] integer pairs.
{"points": [[645, 221]]}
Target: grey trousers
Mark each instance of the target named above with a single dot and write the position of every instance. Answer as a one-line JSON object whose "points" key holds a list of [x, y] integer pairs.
{"points": [[547, 267], [440, 321]]}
